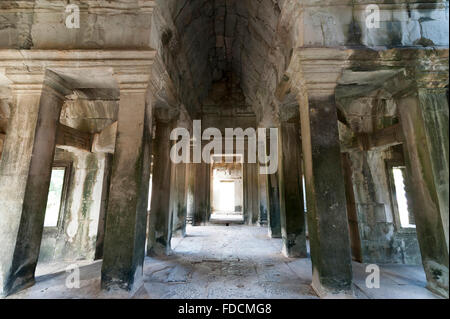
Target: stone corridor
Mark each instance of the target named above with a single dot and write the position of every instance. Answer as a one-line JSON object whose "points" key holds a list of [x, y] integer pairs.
{"points": [[319, 126], [214, 262]]}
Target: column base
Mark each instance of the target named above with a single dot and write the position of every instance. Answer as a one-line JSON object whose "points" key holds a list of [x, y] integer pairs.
{"points": [[180, 233], [438, 284], [271, 235], [437, 290], [331, 293], [292, 253], [159, 250], [325, 293], [120, 289], [200, 224], [262, 224], [19, 284]]}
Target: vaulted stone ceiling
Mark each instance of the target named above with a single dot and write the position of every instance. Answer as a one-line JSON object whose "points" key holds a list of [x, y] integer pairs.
{"points": [[232, 41]]}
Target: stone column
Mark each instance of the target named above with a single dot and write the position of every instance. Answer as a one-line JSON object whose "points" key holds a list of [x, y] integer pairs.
{"points": [[292, 215], [325, 190], [201, 190], [273, 216], [160, 221], [2, 141], [424, 119], [103, 207], [180, 204], [251, 211], [239, 192], [190, 192], [274, 207], [25, 172], [124, 243], [263, 198]]}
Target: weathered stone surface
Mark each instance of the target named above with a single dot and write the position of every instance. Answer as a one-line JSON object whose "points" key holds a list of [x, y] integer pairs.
{"points": [[228, 63], [201, 205], [180, 201], [325, 191], [382, 240], [163, 193], [75, 236], [292, 215], [274, 215], [424, 164], [25, 171], [124, 243], [263, 198], [251, 207]]}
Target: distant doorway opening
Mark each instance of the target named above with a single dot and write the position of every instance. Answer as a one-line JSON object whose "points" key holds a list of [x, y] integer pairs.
{"points": [[227, 189]]}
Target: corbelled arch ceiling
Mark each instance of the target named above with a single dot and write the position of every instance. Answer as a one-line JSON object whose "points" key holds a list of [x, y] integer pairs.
{"points": [[237, 42]]}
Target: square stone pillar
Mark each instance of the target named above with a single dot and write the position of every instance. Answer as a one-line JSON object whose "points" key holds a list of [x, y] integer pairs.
{"points": [[190, 168], [325, 192], [25, 172], [263, 198], [273, 198], [273, 218], [292, 216], [160, 221], [2, 141], [180, 200], [103, 207], [201, 212], [124, 243], [250, 183], [424, 119]]}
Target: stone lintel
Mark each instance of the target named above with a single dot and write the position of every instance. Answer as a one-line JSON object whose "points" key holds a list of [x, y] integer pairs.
{"points": [[128, 70], [381, 139], [319, 70], [68, 136]]}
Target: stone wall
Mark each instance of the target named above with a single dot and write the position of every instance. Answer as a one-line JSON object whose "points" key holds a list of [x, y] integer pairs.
{"points": [[40, 24], [76, 236], [382, 238]]}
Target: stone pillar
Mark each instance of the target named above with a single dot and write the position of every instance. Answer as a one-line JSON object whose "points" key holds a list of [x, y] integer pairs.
{"points": [[251, 211], [425, 124], [292, 215], [25, 172], [160, 221], [201, 194], [124, 243], [274, 207], [263, 198], [103, 207], [325, 190], [190, 193], [355, 239], [2, 142], [273, 216], [180, 197], [239, 193]]}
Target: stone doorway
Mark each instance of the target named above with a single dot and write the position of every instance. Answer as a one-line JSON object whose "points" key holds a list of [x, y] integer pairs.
{"points": [[227, 191]]}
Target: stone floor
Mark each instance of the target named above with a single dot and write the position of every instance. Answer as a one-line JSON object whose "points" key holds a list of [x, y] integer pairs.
{"points": [[224, 262]]}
